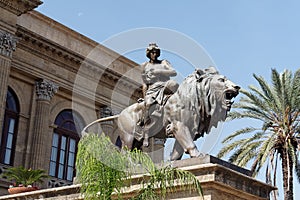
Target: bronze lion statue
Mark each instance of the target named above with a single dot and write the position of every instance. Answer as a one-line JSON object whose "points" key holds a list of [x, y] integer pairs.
{"points": [[201, 101]]}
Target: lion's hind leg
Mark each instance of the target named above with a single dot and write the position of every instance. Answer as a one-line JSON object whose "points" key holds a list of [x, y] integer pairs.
{"points": [[183, 136]]}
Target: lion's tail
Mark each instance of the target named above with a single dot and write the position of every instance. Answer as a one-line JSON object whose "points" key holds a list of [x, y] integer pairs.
{"points": [[98, 121]]}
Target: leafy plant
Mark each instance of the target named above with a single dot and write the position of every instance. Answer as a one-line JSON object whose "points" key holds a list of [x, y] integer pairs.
{"points": [[103, 169], [25, 177]]}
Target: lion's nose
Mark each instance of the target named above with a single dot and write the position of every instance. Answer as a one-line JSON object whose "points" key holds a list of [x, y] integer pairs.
{"points": [[237, 87]]}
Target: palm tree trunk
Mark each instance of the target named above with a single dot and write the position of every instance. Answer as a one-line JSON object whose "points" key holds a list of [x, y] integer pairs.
{"points": [[287, 176], [291, 185]]}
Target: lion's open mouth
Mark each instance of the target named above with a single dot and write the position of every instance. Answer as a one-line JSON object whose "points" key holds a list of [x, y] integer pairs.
{"points": [[230, 94]]}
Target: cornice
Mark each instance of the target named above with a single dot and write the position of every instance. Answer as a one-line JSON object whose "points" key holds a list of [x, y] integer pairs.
{"points": [[19, 7], [35, 40], [72, 61]]}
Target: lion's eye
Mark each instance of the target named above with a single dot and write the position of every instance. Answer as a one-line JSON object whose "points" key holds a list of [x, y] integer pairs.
{"points": [[221, 79]]}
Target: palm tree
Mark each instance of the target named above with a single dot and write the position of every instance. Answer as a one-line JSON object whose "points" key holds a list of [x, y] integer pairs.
{"points": [[102, 169], [277, 106]]}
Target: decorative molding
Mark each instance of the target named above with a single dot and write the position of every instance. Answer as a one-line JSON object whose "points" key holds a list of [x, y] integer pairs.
{"points": [[72, 61], [106, 111], [8, 43], [19, 7], [45, 89], [39, 45], [55, 182]]}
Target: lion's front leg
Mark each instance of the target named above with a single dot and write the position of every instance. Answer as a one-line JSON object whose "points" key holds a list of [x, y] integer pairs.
{"points": [[183, 136], [177, 151]]}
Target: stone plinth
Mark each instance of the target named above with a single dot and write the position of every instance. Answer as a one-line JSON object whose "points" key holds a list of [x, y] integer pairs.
{"points": [[220, 180]]}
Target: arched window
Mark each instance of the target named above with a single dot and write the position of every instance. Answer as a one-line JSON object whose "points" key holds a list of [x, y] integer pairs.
{"points": [[64, 145], [10, 128]]}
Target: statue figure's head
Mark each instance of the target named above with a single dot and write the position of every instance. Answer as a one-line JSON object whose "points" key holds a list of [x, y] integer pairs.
{"points": [[152, 48]]}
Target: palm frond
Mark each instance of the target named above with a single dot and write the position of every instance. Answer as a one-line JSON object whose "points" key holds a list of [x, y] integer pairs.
{"points": [[255, 96], [231, 146], [238, 133], [262, 154], [245, 114], [268, 104], [277, 86], [295, 99], [286, 79], [266, 89], [248, 153], [245, 146]]}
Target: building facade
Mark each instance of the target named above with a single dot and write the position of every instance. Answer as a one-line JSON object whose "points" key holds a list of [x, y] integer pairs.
{"points": [[54, 81]]}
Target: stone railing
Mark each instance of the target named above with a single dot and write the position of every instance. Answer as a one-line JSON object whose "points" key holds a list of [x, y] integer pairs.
{"points": [[4, 180], [219, 180], [55, 182], [3, 168]]}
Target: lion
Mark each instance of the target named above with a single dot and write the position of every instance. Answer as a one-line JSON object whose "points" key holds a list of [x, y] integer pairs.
{"points": [[201, 101]]}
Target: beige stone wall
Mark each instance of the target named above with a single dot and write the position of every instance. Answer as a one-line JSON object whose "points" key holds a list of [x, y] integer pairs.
{"points": [[89, 76], [25, 93]]}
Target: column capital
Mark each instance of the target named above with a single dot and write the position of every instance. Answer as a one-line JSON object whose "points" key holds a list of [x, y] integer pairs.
{"points": [[45, 89], [105, 111], [8, 43]]}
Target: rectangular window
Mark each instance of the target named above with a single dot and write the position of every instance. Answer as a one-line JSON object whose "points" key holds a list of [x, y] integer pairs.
{"points": [[63, 143], [53, 154], [52, 168], [63, 150], [72, 145], [62, 157], [53, 158], [55, 140], [60, 171], [71, 159], [9, 140], [70, 173], [11, 125], [7, 156]]}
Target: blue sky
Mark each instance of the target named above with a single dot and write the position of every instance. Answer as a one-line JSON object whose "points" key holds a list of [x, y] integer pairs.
{"points": [[240, 37]]}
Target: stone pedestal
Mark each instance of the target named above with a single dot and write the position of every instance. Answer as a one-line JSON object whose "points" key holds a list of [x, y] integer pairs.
{"points": [[220, 180], [155, 149]]}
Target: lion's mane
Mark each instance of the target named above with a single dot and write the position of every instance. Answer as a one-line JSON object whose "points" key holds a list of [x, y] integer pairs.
{"points": [[195, 103]]}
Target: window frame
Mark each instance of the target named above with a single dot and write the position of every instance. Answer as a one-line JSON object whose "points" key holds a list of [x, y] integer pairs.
{"points": [[9, 114], [69, 135]]}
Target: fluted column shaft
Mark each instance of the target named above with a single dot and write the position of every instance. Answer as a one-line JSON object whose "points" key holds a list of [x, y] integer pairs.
{"points": [[7, 46], [40, 144]]}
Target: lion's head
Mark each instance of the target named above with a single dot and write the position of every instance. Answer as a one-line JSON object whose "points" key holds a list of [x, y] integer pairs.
{"points": [[216, 94], [218, 90], [204, 97]]}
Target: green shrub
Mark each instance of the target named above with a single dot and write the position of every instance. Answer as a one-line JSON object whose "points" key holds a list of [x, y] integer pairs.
{"points": [[103, 169], [25, 177]]}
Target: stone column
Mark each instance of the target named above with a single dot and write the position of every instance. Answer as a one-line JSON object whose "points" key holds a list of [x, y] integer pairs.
{"points": [[7, 46], [40, 145]]}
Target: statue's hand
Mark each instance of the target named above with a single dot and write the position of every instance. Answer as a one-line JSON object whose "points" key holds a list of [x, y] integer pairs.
{"points": [[151, 74]]}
